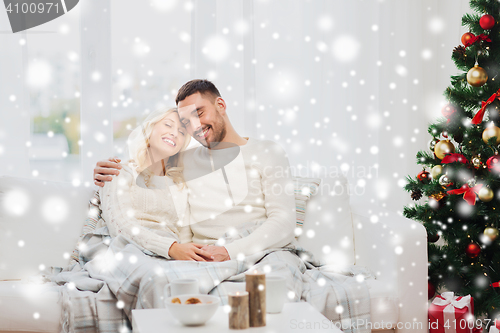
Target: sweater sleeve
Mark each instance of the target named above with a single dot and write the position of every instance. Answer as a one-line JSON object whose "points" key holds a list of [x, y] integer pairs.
{"points": [[278, 229], [116, 200], [185, 232]]}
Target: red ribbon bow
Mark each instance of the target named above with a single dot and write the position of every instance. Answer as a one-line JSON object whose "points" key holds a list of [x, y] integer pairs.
{"points": [[450, 158], [476, 38], [469, 193], [479, 116]]}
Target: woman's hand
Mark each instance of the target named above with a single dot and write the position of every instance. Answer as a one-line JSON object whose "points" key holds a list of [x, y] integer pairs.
{"points": [[189, 251]]}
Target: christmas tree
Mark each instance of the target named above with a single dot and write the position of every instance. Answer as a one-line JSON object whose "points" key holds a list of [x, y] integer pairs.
{"points": [[460, 180]]}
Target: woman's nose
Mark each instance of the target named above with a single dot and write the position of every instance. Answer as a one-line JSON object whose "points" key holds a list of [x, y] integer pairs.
{"points": [[174, 132]]}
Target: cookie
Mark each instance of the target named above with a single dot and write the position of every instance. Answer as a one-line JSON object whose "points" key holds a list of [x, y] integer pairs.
{"points": [[193, 300]]}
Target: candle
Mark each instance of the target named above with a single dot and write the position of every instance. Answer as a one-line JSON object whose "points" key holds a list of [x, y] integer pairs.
{"points": [[238, 316], [256, 287]]}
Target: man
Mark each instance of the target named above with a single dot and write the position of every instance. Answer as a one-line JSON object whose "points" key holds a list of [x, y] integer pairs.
{"points": [[248, 179]]}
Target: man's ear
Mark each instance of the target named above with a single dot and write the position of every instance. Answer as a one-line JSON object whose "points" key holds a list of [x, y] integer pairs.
{"points": [[220, 105]]}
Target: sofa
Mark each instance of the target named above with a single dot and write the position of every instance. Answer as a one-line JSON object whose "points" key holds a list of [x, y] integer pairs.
{"points": [[40, 222]]}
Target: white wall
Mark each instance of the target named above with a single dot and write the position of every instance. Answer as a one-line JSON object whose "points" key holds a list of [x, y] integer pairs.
{"points": [[276, 67], [365, 114]]}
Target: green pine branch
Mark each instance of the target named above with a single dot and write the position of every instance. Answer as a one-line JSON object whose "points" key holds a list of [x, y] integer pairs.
{"points": [[458, 223], [472, 22]]}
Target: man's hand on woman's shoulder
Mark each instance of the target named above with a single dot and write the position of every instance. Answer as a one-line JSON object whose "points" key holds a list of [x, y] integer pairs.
{"points": [[104, 169]]}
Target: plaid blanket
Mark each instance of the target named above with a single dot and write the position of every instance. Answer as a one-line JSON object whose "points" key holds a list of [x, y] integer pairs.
{"points": [[114, 276]]}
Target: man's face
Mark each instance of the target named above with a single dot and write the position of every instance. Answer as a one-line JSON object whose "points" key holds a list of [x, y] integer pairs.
{"points": [[202, 120]]}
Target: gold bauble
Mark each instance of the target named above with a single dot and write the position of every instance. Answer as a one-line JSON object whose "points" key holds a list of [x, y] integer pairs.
{"points": [[485, 194], [436, 201], [444, 180], [436, 171], [492, 233], [490, 132], [476, 162], [477, 76], [444, 147], [437, 196]]}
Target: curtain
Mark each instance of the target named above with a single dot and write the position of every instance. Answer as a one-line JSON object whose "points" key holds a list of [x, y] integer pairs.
{"points": [[345, 86]]}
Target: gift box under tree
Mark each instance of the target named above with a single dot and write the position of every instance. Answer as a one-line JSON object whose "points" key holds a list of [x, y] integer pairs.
{"points": [[495, 327], [452, 314]]}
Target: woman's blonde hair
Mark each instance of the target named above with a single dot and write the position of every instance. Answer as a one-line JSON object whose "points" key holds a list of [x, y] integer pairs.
{"points": [[138, 144]]}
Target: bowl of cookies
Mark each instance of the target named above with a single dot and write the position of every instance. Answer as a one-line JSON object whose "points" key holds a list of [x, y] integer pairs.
{"points": [[192, 309]]}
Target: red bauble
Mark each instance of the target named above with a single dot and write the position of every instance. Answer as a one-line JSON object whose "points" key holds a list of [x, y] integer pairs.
{"points": [[487, 22], [466, 37], [423, 176], [472, 250], [493, 164], [431, 290], [448, 110]]}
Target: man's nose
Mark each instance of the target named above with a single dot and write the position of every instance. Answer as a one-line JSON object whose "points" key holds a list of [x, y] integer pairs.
{"points": [[195, 123]]}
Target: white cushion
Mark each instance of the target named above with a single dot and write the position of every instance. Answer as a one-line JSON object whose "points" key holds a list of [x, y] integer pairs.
{"points": [[384, 308], [328, 231], [28, 307], [40, 222]]}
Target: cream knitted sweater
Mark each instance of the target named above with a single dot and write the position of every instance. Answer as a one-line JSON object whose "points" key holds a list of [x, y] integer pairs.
{"points": [[153, 216], [229, 187]]}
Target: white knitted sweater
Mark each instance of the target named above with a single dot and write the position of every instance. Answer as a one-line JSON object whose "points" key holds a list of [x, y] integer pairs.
{"points": [[257, 180], [153, 216]]}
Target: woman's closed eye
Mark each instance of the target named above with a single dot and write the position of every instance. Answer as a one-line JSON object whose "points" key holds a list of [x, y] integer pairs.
{"points": [[180, 130]]}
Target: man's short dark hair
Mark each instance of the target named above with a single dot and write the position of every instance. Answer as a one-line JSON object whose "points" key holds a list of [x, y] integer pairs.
{"points": [[204, 87]]}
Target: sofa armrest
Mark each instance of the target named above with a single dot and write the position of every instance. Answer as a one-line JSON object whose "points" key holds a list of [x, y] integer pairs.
{"points": [[395, 248]]}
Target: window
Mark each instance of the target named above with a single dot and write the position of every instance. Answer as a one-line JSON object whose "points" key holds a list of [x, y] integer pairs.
{"points": [[150, 61], [48, 92]]}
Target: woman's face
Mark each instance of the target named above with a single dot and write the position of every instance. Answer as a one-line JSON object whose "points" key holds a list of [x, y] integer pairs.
{"points": [[167, 138]]}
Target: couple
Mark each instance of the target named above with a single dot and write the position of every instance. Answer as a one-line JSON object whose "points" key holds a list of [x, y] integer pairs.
{"points": [[220, 210], [178, 204]]}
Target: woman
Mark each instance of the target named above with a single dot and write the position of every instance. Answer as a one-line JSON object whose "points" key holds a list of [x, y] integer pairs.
{"points": [[147, 202]]}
